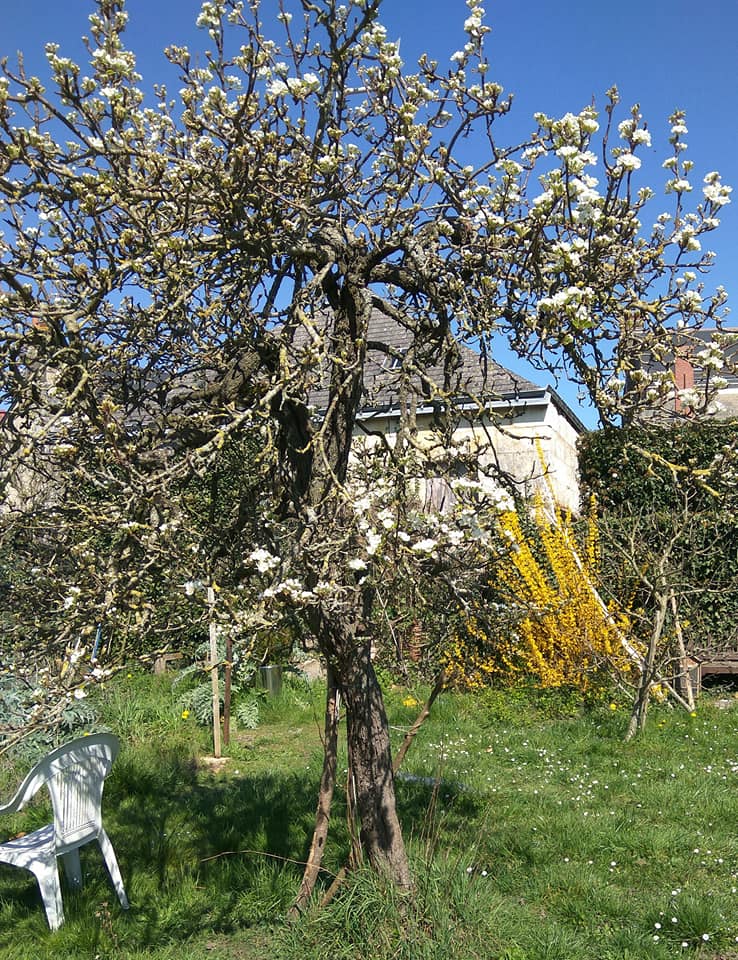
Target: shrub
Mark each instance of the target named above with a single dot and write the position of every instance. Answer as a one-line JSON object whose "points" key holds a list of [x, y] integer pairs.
{"points": [[644, 478], [563, 635]]}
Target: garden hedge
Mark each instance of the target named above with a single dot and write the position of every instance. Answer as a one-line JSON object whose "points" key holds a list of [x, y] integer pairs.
{"points": [[644, 478]]}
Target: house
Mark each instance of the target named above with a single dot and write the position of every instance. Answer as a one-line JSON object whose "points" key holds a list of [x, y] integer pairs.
{"points": [[503, 424], [501, 421], [696, 374]]}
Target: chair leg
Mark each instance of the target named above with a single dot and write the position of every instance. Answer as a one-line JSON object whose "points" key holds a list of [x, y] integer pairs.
{"points": [[47, 875], [112, 864], [72, 868]]}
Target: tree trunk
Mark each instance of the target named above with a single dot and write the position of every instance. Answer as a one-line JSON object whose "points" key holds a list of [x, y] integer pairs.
{"points": [[684, 680], [367, 732], [640, 704]]}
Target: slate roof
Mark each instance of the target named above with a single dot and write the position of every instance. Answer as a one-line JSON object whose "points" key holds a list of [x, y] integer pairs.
{"points": [[473, 377]]}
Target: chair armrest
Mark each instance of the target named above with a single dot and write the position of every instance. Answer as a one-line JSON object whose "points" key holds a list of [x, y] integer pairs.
{"points": [[29, 788], [13, 805]]}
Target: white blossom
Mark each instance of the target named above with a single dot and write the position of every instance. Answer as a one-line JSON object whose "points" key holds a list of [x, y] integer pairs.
{"points": [[425, 546], [690, 300], [373, 540], [263, 560], [628, 162], [277, 88], [714, 191], [678, 185], [686, 238], [71, 598]]}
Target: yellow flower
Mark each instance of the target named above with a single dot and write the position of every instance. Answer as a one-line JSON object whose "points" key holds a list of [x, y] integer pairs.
{"points": [[185, 714], [693, 713], [613, 706], [409, 702]]}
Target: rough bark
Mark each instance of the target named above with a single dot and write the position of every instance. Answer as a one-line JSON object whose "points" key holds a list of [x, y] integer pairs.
{"points": [[367, 731]]}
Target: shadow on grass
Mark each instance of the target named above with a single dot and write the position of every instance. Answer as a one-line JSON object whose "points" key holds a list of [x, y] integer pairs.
{"points": [[202, 853]]}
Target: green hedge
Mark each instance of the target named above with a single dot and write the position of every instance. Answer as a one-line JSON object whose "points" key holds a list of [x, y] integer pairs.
{"points": [[640, 496]]}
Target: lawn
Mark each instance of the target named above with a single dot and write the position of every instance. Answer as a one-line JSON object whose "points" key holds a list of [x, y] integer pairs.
{"points": [[532, 834]]}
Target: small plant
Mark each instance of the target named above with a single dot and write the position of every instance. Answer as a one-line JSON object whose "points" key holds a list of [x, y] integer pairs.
{"points": [[14, 701], [197, 693], [248, 712], [16, 705], [199, 701]]}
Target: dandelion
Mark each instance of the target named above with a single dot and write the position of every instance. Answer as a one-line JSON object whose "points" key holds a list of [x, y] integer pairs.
{"points": [[185, 714]]}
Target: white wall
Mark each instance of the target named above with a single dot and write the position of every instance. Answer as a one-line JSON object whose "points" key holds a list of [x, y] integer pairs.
{"points": [[512, 444]]}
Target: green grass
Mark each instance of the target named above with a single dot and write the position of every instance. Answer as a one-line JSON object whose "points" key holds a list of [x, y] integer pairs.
{"points": [[532, 836]]}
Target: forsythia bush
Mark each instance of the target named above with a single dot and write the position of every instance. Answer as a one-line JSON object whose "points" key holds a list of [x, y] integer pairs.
{"points": [[475, 657], [563, 636]]}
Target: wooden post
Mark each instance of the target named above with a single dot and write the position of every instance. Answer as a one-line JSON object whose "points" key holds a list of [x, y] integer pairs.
{"points": [[227, 691], [214, 671]]}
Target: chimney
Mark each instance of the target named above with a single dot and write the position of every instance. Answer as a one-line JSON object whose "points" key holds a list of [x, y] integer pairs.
{"points": [[683, 378]]}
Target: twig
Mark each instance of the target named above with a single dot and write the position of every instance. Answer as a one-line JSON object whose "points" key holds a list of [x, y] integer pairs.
{"points": [[325, 798], [262, 853], [421, 718]]}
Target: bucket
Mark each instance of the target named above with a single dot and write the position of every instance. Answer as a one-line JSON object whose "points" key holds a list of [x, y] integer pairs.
{"points": [[270, 678]]}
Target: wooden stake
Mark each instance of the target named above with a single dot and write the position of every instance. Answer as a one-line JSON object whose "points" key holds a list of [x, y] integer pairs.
{"points": [[214, 672], [227, 691]]}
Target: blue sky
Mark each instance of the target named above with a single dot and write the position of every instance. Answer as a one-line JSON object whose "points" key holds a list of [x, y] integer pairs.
{"points": [[663, 54]]}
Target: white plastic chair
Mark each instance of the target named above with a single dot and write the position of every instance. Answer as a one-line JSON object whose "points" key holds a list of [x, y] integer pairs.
{"points": [[74, 774]]}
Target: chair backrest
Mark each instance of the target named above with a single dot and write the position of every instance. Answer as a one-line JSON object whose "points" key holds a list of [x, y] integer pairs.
{"points": [[74, 775]]}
